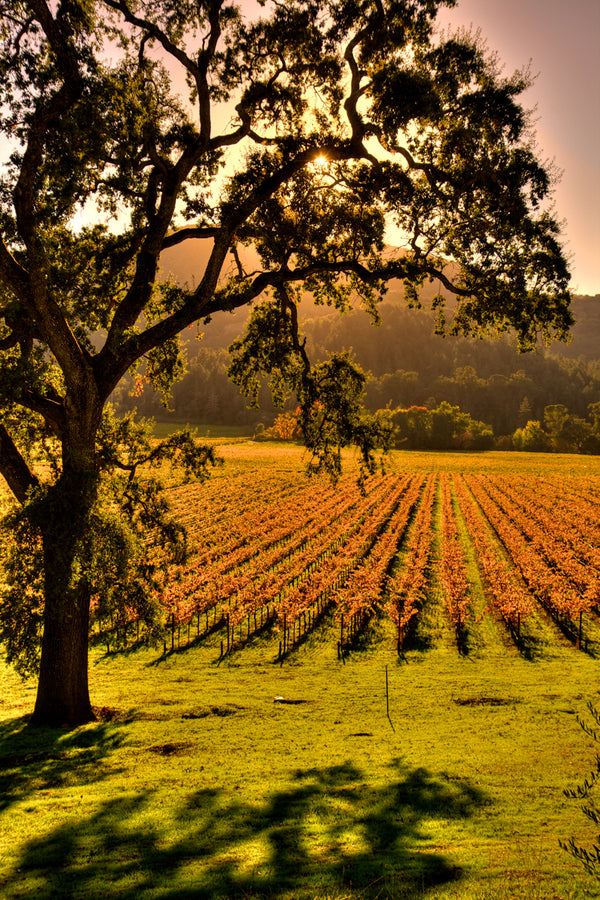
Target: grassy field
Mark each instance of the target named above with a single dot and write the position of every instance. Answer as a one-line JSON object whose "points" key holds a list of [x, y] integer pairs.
{"points": [[217, 432], [432, 775]]}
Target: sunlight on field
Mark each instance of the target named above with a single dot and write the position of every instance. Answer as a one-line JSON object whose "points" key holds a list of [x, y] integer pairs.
{"points": [[295, 458], [223, 767]]}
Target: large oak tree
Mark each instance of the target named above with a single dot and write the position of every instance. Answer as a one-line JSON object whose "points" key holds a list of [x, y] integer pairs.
{"points": [[300, 129]]}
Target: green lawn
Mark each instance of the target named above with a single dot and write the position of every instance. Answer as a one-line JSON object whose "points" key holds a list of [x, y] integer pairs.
{"points": [[196, 783]]}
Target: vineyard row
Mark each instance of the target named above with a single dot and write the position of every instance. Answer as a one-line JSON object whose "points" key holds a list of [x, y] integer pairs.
{"points": [[284, 557]]}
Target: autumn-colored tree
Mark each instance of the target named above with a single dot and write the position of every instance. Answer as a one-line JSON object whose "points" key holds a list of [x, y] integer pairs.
{"points": [[285, 426]]}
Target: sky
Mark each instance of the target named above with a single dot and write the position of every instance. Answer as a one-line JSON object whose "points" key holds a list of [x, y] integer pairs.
{"points": [[561, 39]]}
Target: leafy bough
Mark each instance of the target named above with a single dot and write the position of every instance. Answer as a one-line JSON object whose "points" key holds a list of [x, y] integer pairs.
{"points": [[123, 553]]}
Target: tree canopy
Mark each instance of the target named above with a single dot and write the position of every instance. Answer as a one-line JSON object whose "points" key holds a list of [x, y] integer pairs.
{"points": [[301, 131]]}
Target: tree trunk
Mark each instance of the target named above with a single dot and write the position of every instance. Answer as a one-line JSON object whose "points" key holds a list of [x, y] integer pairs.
{"points": [[63, 694]]}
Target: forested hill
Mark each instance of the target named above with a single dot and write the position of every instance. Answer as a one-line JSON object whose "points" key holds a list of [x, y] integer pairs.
{"points": [[180, 262], [408, 364], [586, 331], [489, 378]]}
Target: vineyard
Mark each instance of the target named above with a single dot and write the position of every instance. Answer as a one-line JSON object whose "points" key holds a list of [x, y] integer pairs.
{"points": [[515, 557], [353, 694]]}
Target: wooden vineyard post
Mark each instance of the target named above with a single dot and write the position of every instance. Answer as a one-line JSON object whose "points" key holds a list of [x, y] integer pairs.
{"points": [[387, 693], [172, 631], [580, 634], [387, 699], [227, 619]]}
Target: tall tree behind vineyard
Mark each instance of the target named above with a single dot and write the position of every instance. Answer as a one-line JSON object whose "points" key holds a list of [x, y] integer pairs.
{"points": [[303, 131]]}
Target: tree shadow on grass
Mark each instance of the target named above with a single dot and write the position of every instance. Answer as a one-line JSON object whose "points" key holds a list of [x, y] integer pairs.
{"points": [[33, 759], [329, 833]]}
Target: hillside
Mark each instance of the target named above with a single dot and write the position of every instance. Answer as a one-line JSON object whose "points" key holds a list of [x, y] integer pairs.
{"points": [[182, 263], [586, 331], [408, 364]]}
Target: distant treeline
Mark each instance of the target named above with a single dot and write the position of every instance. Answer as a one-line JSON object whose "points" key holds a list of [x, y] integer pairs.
{"points": [[447, 427], [408, 365]]}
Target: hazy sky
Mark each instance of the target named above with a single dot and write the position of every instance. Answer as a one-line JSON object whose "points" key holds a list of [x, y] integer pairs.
{"points": [[561, 38]]}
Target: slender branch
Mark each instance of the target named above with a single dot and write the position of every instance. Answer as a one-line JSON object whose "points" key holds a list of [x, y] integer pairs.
{"points": [[204, 59], [13, 467], [389, 271], [299, 346], [143, 281], [218, 302], [12, 274], [356, 76], [31, 287], [433, 174], [153, 31], [109, 365], [183, 234], [51, 409], [199, 70], [238, 262]]}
